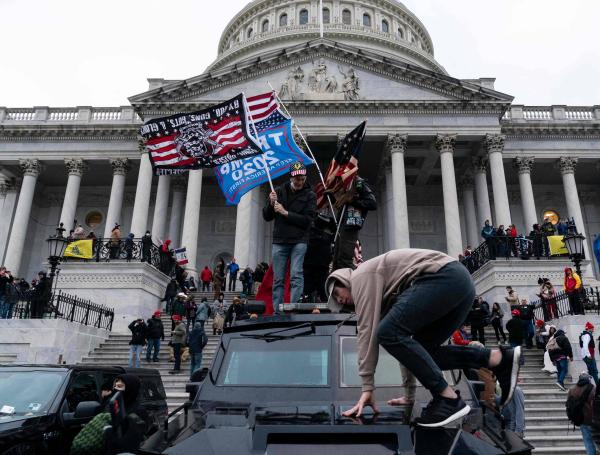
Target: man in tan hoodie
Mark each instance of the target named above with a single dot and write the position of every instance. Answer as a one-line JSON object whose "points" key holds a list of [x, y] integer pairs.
{"points": [[410, 301]]}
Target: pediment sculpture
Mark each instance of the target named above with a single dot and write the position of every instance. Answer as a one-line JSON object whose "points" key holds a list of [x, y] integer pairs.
{"points": [[320, 84]]}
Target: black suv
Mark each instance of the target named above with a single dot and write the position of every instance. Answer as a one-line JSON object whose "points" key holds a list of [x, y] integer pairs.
{"points": [[279, 386], [39, 411]]}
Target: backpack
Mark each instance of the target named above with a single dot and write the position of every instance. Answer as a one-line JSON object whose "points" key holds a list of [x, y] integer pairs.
{"points": [[552, 344], [575, 406], [209, 313]]}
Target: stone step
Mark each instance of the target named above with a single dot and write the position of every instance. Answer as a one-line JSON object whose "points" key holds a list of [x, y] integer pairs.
{"points": [[555, 441], [571, 450], [543, 402], [552, 430], [544, 393], [554, 411], [546, 420]]}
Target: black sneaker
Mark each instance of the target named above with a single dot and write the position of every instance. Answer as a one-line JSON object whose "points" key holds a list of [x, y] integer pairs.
{"points": [[507, 372], [441, 411]]}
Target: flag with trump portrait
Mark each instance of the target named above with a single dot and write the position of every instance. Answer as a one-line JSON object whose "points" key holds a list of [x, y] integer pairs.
{"points": [[274, 132], [203, 139]]}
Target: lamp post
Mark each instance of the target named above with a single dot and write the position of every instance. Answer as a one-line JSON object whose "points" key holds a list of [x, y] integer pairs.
{"points": [[574, 243], [56, 247]]}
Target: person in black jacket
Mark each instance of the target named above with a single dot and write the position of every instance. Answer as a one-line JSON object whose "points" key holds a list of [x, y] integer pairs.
{"points": [[292, 206], [357, 202], [147, 247], [138, 340], [41, 295], [170, 295], [155, 332], [515, 329], [560, 353], [236, 311], [318, 257], [477, 318]]}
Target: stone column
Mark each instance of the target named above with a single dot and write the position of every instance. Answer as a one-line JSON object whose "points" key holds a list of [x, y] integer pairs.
{"points": [[494, 145], [524, 166], [75, 168], [396, 145], [191, 220], [178, 183], [8, 201], [484, 211], [246, 229], [390, 242], [470, 214], [120, 166], [161, 208], [445, 145], [139, 220], [31, 170], [567, 167]]}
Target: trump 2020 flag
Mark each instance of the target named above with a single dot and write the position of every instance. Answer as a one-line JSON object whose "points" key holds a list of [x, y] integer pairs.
{"points": [[181, 256], [277, 142], [202, 139]]}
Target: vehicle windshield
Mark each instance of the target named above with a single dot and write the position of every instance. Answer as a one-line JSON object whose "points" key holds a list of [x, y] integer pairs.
{"points": [[28, 393], [300, 361], [387, 372]]}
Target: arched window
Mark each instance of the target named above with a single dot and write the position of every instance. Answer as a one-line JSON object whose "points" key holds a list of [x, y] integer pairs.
{"points": [[400, 33], [326, 16], [249, 32], [385, 27], [346, 17], [303, 16], [283, 20], [265, 26], [366, 20]]}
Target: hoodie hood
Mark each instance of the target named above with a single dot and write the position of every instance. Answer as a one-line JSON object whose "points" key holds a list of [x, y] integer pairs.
{"points": [[343, 276], [132, 388], [559, 333], [568, 269]]}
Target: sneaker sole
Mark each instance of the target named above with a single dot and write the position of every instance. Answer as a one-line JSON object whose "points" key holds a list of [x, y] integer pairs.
{"points": [[463, 412], [514, 375]]}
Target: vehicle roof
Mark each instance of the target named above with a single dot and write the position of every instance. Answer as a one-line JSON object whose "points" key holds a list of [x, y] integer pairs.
{"points": [[285, 320], [79, 367]]}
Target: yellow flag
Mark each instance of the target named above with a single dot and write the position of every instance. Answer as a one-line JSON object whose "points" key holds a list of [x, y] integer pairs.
{"points": [[557, 245], [81, 249]]}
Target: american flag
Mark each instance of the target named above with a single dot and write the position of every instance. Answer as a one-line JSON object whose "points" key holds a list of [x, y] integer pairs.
{"points": [[344, 166], [207, 138]]}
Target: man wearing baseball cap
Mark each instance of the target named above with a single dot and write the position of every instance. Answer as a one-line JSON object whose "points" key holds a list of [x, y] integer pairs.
{"points": [[177, 340], [410, 301], [292, 206], [587, 345]]}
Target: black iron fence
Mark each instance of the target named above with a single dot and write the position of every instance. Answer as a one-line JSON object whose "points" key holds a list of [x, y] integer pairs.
{"points": [[106, 250], [585, 301], [505, 247], [63, 306]]}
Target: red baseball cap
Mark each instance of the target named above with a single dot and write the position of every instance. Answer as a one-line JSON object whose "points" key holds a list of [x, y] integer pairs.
{"points": [[539, 323], [516, 313], [589, 326], [176, 317], [157, 313]]}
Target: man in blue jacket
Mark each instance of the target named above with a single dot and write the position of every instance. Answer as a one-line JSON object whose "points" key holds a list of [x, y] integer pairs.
{"points": [[233, 269], [489, 235]]}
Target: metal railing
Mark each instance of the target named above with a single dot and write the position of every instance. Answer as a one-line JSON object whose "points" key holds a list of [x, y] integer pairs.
{"points": [[63, 306], [106, 250], [586, 301]]}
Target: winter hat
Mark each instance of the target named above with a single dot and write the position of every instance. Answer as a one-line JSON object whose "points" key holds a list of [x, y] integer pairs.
{"points": [[584, 379], [157, 313], [539, 323], [132, 388], [589, 326], [176, 317], [297, 168], [515, 313]]}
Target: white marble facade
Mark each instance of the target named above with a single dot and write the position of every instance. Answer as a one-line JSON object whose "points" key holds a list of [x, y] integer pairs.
{"points": [[442, 154]]}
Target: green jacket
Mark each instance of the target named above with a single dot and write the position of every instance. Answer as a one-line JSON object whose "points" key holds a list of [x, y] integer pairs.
{"points": [[178, 308], [179, 334]]}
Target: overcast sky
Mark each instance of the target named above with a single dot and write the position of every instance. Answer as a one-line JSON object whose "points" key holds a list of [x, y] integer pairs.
{"points": [[76, 52]]}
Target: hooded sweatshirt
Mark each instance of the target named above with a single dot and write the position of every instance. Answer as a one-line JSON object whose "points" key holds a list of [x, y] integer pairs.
{"points": [[374, 285], [573, 282]]}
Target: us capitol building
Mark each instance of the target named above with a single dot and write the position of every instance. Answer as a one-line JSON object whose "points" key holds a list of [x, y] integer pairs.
{"points": [[443, 154]]}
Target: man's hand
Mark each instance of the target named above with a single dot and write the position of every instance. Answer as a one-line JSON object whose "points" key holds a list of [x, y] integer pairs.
{"points": [[273, 197], [279, 209], [366, 399]]}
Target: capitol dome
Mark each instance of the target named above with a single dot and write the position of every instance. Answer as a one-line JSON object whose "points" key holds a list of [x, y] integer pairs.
{"points": [[386, 27]]}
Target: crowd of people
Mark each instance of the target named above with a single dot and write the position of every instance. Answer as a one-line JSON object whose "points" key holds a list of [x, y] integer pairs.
{"points": [[37, 295]]}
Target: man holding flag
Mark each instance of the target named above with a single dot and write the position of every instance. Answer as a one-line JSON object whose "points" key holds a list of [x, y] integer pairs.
{"points": [[292, 207]]}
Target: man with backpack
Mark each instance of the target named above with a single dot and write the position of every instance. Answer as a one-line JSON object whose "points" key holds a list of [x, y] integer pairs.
{"points": [[587, 345], [560, 351], [203, 312], [579, 409]]}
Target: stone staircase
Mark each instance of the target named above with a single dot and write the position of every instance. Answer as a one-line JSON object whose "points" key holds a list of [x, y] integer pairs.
{"points": [[7, 358], [115, 351], [546, 423]]}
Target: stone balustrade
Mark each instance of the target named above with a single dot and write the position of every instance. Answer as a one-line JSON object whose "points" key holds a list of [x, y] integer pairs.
{"points": [[520, 113], [77, 115]]}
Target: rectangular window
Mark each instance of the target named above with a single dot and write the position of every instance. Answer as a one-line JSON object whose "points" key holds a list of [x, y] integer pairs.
{"points": [[387, 373], [300, 361]]}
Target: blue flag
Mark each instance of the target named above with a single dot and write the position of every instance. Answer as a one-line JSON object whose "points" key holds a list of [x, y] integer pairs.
{"points": [[275, 136]]}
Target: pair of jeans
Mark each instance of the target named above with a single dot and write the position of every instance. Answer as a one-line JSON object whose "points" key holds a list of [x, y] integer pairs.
{"points": [[205, 286], [563, 368], [195, 362], [477, 334], [497, 325], [153, 343], [232, 281], [588, 441], [177, 355], [423, 317], [135, 350], [529, 332], [282, 253], [592, 368], [3, 307]]}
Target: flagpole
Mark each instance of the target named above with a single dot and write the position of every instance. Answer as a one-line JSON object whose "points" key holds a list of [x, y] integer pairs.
{"points": [[321, 18], [307, 148], [256, 137]]}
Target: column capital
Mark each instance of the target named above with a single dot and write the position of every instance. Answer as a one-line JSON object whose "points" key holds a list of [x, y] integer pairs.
{"points": [[494, 143], [396, 143], [299, 142], [178, 182], [75, 166], [480, 164], [142, 145], [120, 166], [30, 167], [340, 139], [466, 182], [524, 164], [567, 164], [445, 143]]}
